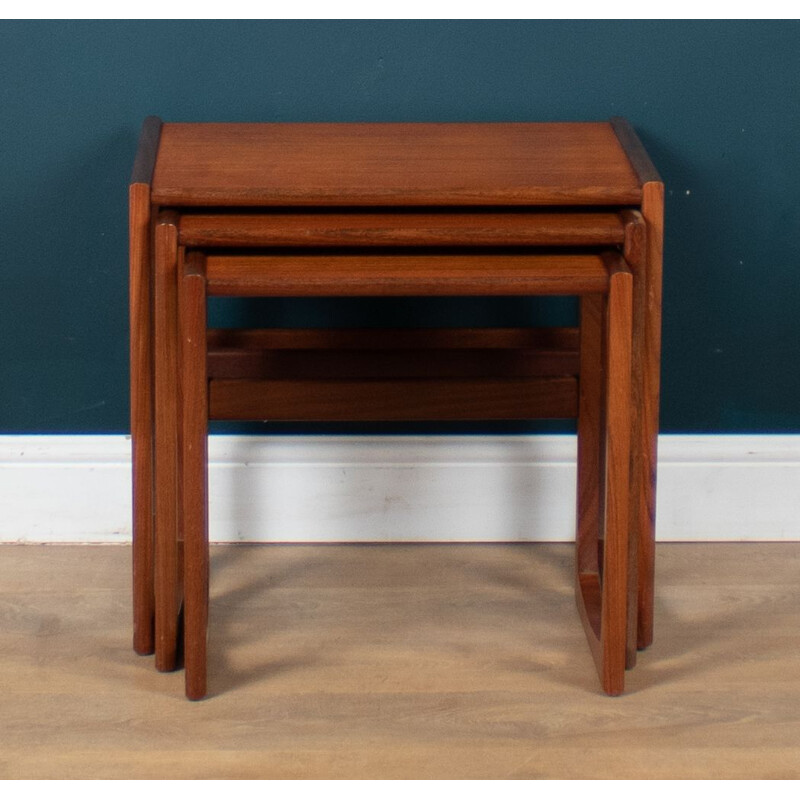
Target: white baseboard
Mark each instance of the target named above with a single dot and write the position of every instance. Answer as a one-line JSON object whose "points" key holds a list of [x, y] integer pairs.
{"points": [[399, 489]]}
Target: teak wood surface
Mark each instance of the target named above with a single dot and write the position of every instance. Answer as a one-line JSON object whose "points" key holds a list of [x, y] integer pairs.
{"points": [[602, 593], [394, 209], [396, 164], [472, 228], [403, 275], [431, 354], [141, 385], [168, 563], [194, 471]]}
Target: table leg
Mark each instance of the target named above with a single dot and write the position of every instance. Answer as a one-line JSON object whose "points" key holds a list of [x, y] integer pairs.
{"points": [[653, 213], [591, 433], [142, 451], [604, 434], [194, 472], [167, 569], [635, 254], [614, 567]]}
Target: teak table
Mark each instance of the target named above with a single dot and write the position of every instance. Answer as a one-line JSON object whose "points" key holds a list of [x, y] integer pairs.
{"points": [[409, 209]]}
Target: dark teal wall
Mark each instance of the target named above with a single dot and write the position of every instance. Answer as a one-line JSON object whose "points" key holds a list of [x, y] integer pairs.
{"points": [[717, 105]]}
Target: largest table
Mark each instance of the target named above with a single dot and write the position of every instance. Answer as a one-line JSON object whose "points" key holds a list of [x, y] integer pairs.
{"points": [[423, 170]]}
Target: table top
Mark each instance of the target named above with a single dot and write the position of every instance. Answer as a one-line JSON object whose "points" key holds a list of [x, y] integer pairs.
{"points": [[398, 164]]}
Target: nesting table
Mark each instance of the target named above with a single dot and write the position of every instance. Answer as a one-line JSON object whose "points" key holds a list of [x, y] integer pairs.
{"points": [[395, 209]]}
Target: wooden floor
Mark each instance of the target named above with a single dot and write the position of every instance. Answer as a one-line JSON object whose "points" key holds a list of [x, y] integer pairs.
{"points": [[401, 661]]}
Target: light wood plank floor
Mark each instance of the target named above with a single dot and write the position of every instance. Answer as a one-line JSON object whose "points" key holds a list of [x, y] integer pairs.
{"points": [[394, 661]]}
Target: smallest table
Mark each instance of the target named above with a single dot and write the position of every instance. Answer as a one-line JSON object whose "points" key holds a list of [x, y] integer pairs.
{"points": [[399, 210]]}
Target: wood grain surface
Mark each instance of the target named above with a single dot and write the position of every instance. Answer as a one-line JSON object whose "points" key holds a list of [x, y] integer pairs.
{"points": [[167, 561], [290, 274], [401, 228], [401, 399], [356, 164], [367, 363], [634, 149], [650, 354], [591, 434], [141, 383], [401, 661], [614, 573], [142, 390], [391, 353], [146, 151], [342, 339], [398, 186], [194, 471], [641, 526]]}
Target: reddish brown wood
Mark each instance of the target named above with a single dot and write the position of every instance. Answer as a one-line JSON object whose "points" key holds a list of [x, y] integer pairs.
{"points": [[613, 625], [194, 473], [394, 164], [653, 213], [146, 152], [441, 189], [167, 569], [444, 353], [398, 229], [386, 400], [635, 254], [141, 378], [601, 575], [321, 364], [590, 433], [540, 339], [289, 275], [635, 152]]}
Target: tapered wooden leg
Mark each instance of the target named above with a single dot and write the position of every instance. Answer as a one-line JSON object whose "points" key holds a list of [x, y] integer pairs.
{"points": [[194, 471], [602, 556], [653, 213], [635, 254], [142, 388], [591, 419], [142, 451], [613, 624], [167, 570]]}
